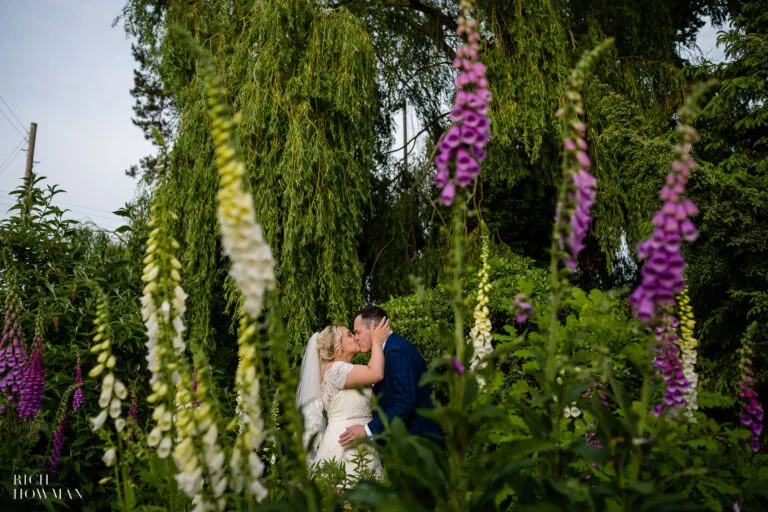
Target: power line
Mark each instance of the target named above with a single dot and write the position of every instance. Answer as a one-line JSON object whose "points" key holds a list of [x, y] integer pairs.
{"points": [[79, 216], [86, 207], [57, 201], [13, 113], [11, 157], [13, 125], [76, 211]]}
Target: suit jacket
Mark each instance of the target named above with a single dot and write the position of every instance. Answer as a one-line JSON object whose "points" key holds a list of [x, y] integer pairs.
{"points": [[399, 394]]}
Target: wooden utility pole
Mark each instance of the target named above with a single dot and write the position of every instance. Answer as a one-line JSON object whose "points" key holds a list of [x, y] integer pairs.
{"points": [[30, 151]]}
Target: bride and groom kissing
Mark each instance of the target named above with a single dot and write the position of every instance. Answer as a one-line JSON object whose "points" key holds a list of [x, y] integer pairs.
{"points": [[334, 394]]}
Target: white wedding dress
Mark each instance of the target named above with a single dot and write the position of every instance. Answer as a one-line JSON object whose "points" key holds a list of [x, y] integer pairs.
{"points": [[343, 408]]}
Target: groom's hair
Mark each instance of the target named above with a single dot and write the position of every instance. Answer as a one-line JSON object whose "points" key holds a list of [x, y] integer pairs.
{"points": [[371, 314]]}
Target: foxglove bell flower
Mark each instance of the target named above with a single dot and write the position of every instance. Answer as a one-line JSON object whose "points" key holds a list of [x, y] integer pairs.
{"points": [[662, 274], [109, 457], [241, 236], [571, 411], [523, 308], [481, 331], [163, 305], [12, 352], [186, 433], [599, 388], [253, 271], [197, 454], [462, 148], [77, 397], [33, 385], [112, 389], [245, 466], [133, 413], [752, 417], [58, 444], [572, 212], [667, 363], [688, 347], [591, 435]]}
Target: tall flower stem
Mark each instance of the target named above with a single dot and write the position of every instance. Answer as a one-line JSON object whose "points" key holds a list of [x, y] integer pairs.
{"points": [[572, 219], [459, 213], [459, 378], [575, 198], [662, 274]]}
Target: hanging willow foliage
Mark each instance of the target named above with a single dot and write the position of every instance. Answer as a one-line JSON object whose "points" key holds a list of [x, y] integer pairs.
{"points": [[302, 79]]}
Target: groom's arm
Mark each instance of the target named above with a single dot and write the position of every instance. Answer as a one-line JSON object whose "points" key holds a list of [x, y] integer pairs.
{"points": [[402, 379]]}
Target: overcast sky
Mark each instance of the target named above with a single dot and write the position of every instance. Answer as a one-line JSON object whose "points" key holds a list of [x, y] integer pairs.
{"points": [[63, 66]]}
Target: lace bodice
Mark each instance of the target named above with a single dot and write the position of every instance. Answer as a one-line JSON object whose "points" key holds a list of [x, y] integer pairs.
{"points": [[340, 403]]}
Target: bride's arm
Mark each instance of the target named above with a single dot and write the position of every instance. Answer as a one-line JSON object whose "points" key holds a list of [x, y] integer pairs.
{"points": [[373, 372]]}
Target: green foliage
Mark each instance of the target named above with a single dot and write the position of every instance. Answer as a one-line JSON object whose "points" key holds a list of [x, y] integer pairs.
{"points": [[423, 316], [315, 86], [728, 272], [306, 110], [56, 262]]}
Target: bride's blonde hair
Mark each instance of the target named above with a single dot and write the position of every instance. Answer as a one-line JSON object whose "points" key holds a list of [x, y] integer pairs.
{"points": [[329, 342]]}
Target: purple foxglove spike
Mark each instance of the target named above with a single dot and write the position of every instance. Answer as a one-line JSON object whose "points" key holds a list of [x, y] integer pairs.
{"points": [[479, 153], [453, 138], [688, 231], [583, 160], [471, 120], [469, 114], [690, 208], [463, 176], [469, 136], [448, 194], [442, 177]]}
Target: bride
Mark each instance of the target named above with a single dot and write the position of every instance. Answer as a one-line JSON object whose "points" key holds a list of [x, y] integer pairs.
{"points": [[331, 384]]}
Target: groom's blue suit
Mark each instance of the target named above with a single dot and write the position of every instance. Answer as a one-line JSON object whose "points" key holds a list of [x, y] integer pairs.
{"points": [[399, 394]]}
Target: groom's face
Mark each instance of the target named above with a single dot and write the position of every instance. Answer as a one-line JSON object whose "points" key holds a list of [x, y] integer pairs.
{"points": [[363, 334]]}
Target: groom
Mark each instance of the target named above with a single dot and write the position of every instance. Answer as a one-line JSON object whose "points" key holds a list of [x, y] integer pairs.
{"points": [[399, 393]]}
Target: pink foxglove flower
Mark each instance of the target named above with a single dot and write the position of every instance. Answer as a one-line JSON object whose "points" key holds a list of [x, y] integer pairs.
{"points": [[669, 366], [33, 385], [577, 194], [77, 397], [752, 417], [58, 443], [523, 308], [12, 352], [599, 388], [133, 413], [462, 148], [663, 271], [574, 213]]}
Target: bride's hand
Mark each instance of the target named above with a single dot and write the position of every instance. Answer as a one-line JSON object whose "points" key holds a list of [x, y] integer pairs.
{"points": [[380, 332]]}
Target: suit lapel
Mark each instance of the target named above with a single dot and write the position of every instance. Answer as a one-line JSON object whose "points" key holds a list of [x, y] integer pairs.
{"points": [[379, 387]]}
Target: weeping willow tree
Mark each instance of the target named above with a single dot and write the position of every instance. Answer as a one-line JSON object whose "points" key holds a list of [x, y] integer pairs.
{"points": [[529, 47], [303, 85], [318, 85]]}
